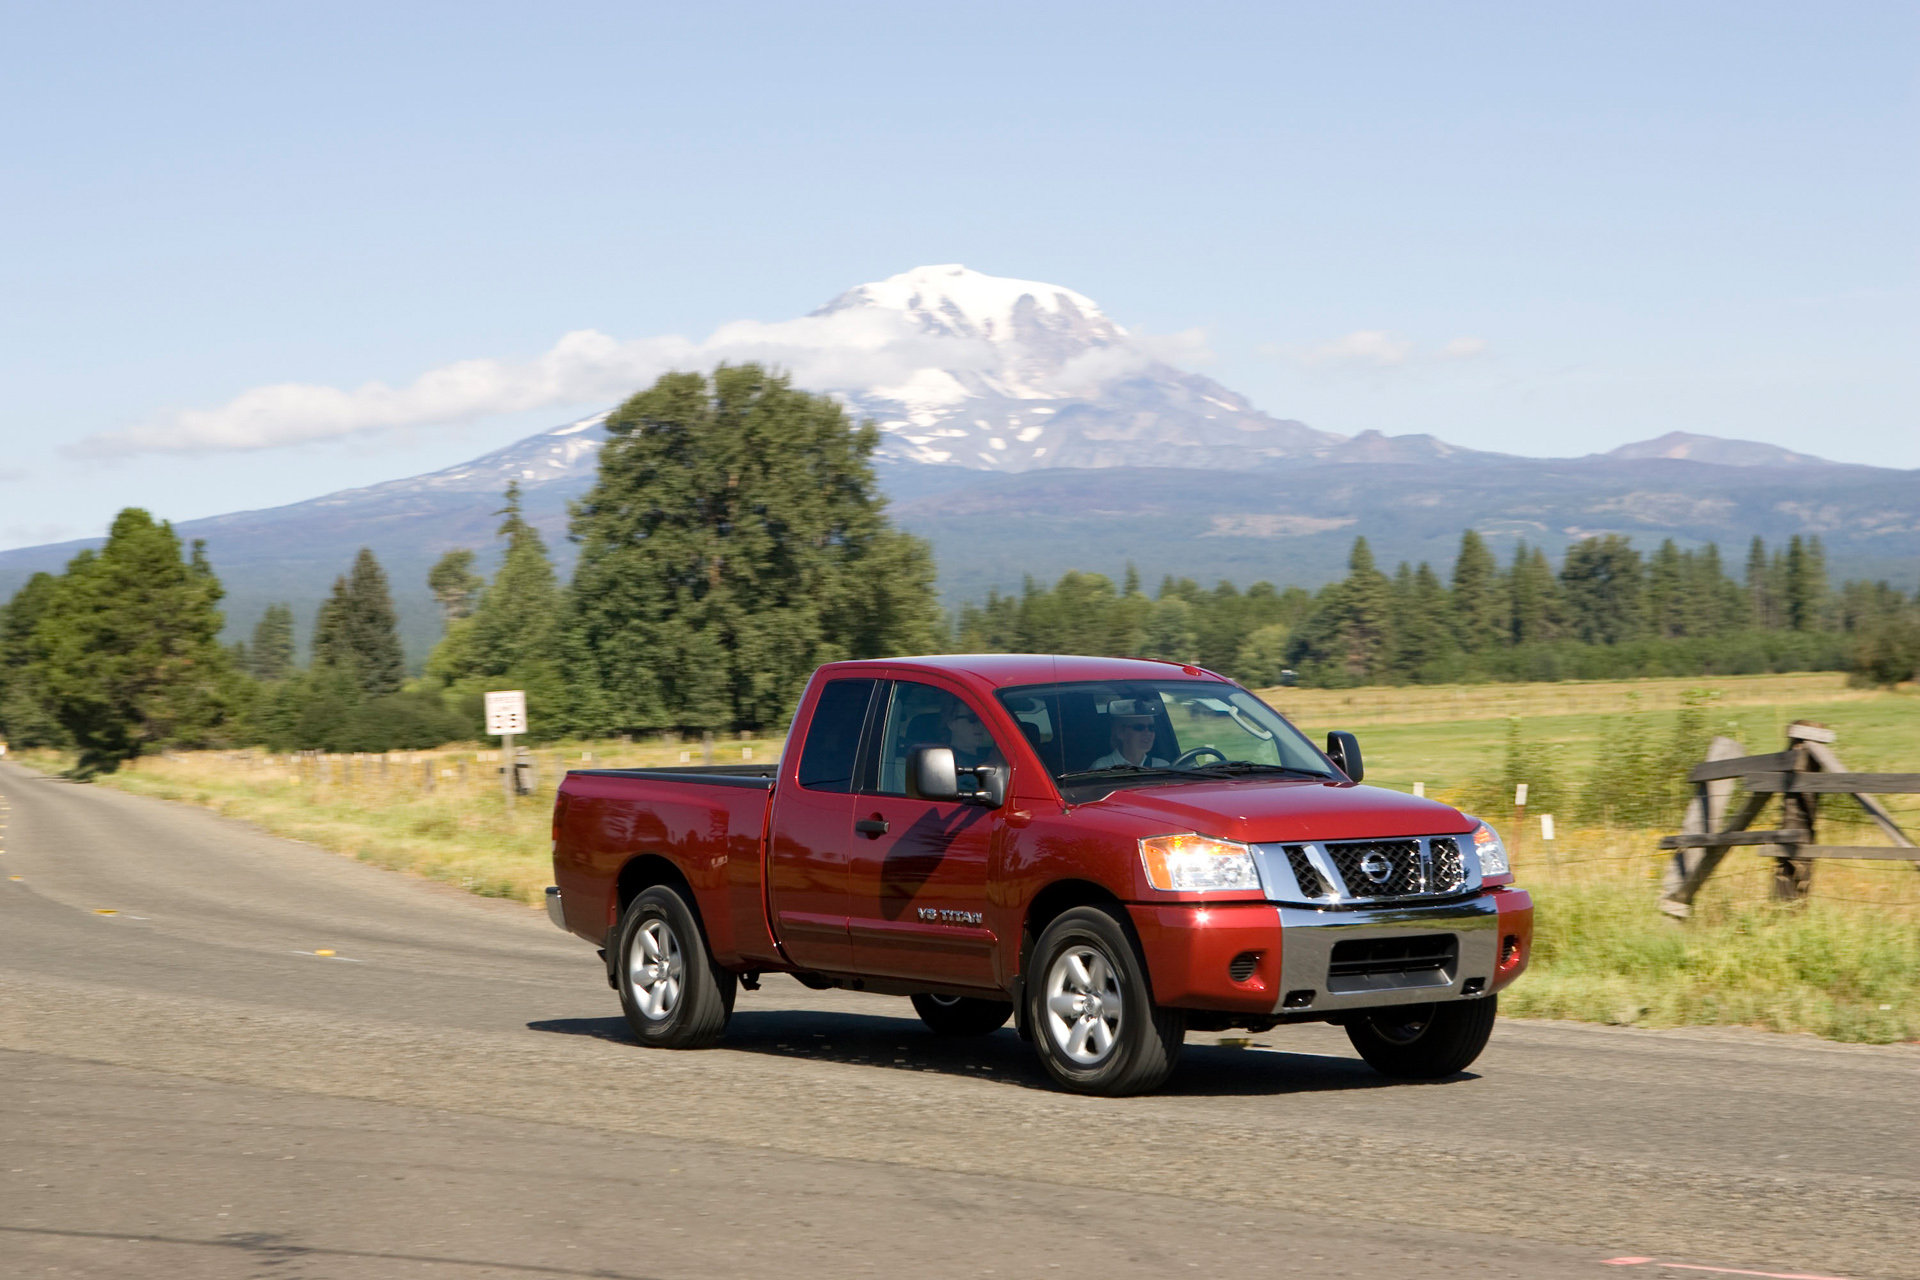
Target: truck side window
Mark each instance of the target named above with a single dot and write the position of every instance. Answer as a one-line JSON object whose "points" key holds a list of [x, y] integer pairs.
{"points": [[833, 739], [923, 716]]}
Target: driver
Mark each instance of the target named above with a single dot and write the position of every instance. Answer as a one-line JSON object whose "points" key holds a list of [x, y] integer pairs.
{"points": [[1133, 736], [972, 745]]}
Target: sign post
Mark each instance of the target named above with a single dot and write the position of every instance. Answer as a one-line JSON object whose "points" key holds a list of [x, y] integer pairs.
{"points": [[506, 717]]}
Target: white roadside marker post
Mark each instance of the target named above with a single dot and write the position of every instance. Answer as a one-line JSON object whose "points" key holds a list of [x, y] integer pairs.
{"points": [[506, 717]]}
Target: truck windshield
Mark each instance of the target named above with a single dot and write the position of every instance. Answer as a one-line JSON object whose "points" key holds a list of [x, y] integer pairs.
{"points": [[1111, 731]]}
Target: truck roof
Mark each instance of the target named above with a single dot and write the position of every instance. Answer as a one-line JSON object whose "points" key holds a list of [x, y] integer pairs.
{"points": [[1005, 670]]}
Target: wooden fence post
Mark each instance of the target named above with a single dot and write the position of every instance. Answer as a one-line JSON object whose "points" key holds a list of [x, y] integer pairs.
{"points": [[1704, 813]]}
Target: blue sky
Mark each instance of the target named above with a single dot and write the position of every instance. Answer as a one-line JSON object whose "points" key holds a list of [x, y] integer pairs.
{"points": [[1655, 217]]}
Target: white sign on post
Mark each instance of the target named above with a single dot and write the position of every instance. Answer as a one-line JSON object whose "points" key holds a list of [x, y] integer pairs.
{"points": [[506, 712]]}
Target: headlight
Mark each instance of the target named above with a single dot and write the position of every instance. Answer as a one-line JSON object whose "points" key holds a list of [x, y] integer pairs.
{"points": [[1493, 854], [1197, 864]]}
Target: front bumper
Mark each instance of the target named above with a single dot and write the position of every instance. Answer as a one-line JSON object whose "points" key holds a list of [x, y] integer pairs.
{"points": [[1294, 963], [1311, 982]]}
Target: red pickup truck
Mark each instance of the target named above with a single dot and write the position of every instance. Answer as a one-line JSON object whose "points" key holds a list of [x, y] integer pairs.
{"points": [[1110, 852]]}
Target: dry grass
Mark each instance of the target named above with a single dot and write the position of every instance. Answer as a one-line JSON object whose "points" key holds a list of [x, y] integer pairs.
{"points": [[439, 814], [1844, 965]]}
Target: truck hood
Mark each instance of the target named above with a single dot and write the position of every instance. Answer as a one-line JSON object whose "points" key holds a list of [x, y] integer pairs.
{"points": [[1269, 810]]}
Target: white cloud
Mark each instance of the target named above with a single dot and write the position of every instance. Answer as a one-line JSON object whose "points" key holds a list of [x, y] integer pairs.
{"points": [[1464, 349], [852, 349], [10, 474], [846, 349]]}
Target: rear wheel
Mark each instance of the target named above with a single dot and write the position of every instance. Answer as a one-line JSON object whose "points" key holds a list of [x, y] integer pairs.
{"points": [[1424, 1041], [674, 996], [961, 1015], [1094, 1021]]}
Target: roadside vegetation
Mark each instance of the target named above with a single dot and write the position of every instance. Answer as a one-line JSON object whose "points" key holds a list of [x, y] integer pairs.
{"points": [[1844, 965]]}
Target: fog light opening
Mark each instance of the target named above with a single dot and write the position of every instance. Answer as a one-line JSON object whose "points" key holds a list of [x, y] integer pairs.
{"points": [[1509, 949], [1299, 999], [1244, 966]]}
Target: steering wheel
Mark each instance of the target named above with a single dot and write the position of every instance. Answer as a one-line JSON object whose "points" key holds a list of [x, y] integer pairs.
{"points": [[1188, 757]]}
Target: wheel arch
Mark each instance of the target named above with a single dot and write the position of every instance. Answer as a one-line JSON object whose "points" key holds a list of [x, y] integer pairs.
{"points": [[1055, 900]]}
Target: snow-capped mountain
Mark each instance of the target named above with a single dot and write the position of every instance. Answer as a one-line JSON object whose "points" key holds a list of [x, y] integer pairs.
{"points": [[1018, 375]]}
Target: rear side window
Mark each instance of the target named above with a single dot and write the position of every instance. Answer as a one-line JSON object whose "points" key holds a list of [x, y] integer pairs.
{"points": [[833, 739]]}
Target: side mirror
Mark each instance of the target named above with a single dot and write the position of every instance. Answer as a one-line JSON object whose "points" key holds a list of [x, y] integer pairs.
{"points": [[1344, 750], [931, 774]]}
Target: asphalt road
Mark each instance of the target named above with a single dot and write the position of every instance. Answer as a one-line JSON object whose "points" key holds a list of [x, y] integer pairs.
{"points": [[187, 1089]]}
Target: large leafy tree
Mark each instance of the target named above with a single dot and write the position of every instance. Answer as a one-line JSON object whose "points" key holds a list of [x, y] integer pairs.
{"points": [[735, 538], [454, 584], [357, 630], [128, 646]]}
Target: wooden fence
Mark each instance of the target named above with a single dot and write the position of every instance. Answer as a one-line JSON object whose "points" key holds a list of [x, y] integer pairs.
{"points": [[1808, 769]]}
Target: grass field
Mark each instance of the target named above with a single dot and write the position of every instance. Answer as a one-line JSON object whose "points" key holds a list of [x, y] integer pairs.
{"points": [[1844, 965]]}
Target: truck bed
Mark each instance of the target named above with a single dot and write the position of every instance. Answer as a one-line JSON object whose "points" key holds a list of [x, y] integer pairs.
{"points": [[709, 820]]}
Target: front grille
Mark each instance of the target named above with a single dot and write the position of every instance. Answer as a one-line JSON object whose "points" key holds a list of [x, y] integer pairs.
{"points": [[1446, 869], [1380, 868], [1311, 883], [1337, 873], [1434, 953]]}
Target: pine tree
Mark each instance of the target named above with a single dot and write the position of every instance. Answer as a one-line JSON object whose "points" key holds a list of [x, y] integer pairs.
{"points": [[1365, 629], [27, 716], [1170, 633], [129, 646], [1806, 585], [511, 636], [270, 657], [1423, 634], [1478, 609], [1667, 594], [1759, 585], [1605, 589], [734, 539], [356, 630], [517, 621]]}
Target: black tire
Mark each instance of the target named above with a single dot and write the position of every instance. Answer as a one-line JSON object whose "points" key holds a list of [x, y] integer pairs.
{"points": [[1142, 1040], [961, 1015], [1424, 1041], [673, 994]]}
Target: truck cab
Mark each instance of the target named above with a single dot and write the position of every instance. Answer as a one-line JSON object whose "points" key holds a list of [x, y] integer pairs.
{"points": [[1108, 852]]}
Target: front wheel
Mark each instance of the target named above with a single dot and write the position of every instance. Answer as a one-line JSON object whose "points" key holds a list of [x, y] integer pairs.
{"points": [[1095, 1024], [961, 1015], [673, 994], [1424, 1041]]}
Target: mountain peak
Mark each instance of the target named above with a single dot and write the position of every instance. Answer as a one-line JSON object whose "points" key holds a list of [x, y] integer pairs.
{"points": [[1002, 374], [1714, 449], [955, 301]]}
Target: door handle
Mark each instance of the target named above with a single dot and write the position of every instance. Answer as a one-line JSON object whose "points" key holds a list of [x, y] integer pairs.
{"points": [[872, 828]]}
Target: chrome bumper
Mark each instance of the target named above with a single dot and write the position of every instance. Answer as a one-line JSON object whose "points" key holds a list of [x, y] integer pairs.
{"points": [[554, 912], [1308, 937]]}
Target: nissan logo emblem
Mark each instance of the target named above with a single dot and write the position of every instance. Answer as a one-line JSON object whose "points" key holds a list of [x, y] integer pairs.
{"points": [[1376, 867]]}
